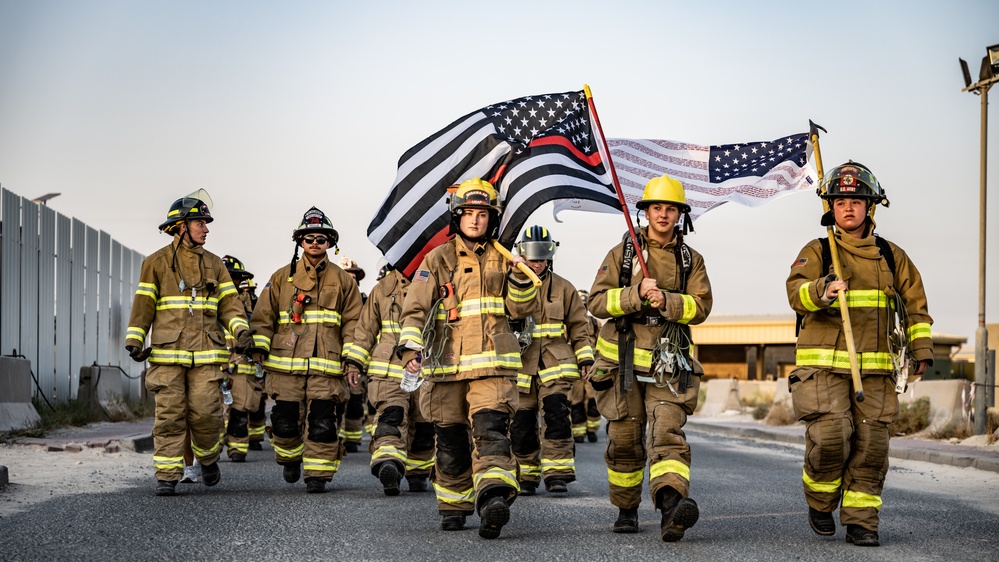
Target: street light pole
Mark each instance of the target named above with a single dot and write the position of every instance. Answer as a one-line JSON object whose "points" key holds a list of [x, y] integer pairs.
{"points": [[984, 379]]}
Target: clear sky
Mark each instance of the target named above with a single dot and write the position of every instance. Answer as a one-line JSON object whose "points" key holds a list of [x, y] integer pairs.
{"points": [[125, 106]]}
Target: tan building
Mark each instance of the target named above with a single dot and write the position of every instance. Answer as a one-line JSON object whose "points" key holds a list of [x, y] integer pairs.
{"points": [[762, 347]]}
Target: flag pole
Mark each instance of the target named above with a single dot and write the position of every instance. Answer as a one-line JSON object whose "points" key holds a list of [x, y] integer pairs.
{"points": [[617, 184], [851, 348]]}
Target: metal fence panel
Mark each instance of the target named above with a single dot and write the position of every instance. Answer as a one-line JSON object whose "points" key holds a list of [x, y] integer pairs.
{"points": [[46, 301], [117, 333], [29, 284], [78, 269], [10, 274], [90, 300], [63, 310], [104, 301]]}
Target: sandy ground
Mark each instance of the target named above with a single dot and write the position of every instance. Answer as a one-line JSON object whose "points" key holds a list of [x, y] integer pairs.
{"points": [[37, 475]]}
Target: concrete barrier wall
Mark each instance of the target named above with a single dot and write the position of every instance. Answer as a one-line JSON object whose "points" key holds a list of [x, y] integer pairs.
{"points": [[950, 402], [763, 389], [105, 391], [16, 410], [721, 395]]}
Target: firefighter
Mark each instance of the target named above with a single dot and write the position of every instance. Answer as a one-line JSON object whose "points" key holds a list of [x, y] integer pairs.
{"points": [[455, 321], [352, 416], [644, 372], [402, 443], [186, 297], [305, 317], [846, 441], [245, 418], [583, 400], [555, 350]]}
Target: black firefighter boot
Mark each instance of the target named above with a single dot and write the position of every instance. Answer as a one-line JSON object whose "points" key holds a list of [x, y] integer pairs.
{"points": [[493, 514], [388, 475], [860, 536], [166, 487], [679, 514], [821, 522], [418, 484], [627, 520]]}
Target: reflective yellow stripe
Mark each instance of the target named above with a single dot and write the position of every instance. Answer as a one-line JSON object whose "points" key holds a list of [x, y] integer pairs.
{"points": [[256, 431], [236, 323], [558, 465], [320, 465], [391, 327], [548, 330], [290, 454], [625, 479], [453, 497], [385, 369], [523, 381], [530, 470], [181, 357], [412, 334], [302, 365], [860, 499], [579, 430], [521, 295], [353, 435], [614, 302], [593, 425], [387, 452], [417, 464], [226, 289], [821, 487], [489, 360], [806, 299], [198, 303], [263, 342], [135, 332], [584, 353], [357, 353], [864, 298], [840, 359], [689, 309], [479, 306], [321, 316], [147, 290], [199, 452], [166, 463], [608, 350], [237, 447], [919, 330], [561, 371], [497, 473], [669, 467]]}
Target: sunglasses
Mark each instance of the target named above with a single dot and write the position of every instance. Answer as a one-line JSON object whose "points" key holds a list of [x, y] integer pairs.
{"points": [[316, 239]]}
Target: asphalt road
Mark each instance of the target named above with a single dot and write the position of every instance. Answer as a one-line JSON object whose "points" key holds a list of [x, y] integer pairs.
{"points": [[749, 493]]}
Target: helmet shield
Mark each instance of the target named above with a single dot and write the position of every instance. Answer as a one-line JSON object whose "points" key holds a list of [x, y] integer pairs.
{"points": [[537, 244], [196, 205]]}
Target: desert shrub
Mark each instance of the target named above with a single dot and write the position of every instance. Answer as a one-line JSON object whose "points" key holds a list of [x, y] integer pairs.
{"points": [[780, 414], [912, 417]]}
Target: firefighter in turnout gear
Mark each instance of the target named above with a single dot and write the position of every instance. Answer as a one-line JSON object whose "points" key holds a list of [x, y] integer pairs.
{"points": [[185, 296], [555, 343], [846, 441], [645, 377], [304, 319], [454, 322], [402, 443], [583, 399], [352, 417], [245, 417]]}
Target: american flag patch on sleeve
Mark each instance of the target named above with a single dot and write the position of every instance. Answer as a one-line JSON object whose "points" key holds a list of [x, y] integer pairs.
{"points": [[422, 276], [800, 262]]}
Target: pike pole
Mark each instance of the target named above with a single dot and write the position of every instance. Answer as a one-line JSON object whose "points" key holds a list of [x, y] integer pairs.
{"points": [[523, 267], [851, 348]]}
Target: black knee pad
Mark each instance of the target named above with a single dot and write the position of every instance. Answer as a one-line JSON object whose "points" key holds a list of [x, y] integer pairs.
{"points": [[454, 452], [489, 431], [875, 458], [260, 414], [625, 441], [238, 425], [322, 421], [355, 406], [389, 422], [423, 437], [578, 413], [591, 408], [830, 443], [524, 432], [284, 419], [341, 407], [557, 422]]}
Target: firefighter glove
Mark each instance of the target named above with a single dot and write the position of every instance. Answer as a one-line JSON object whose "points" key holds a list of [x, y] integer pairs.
{"points": [[137, 353], [244, 342]]}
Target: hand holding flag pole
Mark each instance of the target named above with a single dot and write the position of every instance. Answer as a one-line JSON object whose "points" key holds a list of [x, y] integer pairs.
{"points": [[605, 151], [844, 310]]}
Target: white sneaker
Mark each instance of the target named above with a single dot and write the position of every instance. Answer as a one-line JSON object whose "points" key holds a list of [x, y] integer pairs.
{"points": [[192, 474]]}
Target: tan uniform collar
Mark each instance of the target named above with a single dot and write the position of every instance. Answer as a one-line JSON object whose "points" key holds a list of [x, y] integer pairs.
{"points": [[307, 276]]}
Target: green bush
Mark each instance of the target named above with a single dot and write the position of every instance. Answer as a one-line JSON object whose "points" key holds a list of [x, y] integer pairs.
{"points": [[780, 414], [761, 411], [913, 417]]}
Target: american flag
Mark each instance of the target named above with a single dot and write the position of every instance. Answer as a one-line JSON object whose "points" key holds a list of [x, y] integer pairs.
{"points": [[534, 149], [750, 173]]}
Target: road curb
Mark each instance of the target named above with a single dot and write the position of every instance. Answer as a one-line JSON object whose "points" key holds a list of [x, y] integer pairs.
{"points": [[142, 443], [895, 451]]}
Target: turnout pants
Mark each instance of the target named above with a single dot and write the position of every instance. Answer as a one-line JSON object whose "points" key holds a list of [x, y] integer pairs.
{"points": [[471, 420], [584, 412], [353, 417], [666, 450], [185, 397], [551, 456], [846, 442], [401, 434], [304, 422], [246, 400]]}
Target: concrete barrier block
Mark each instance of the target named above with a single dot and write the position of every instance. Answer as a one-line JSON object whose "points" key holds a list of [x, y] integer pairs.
{"points": [[782, 391], [16, 410], [101, 387], [721, 395], [950, 402], [758, 392]]}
